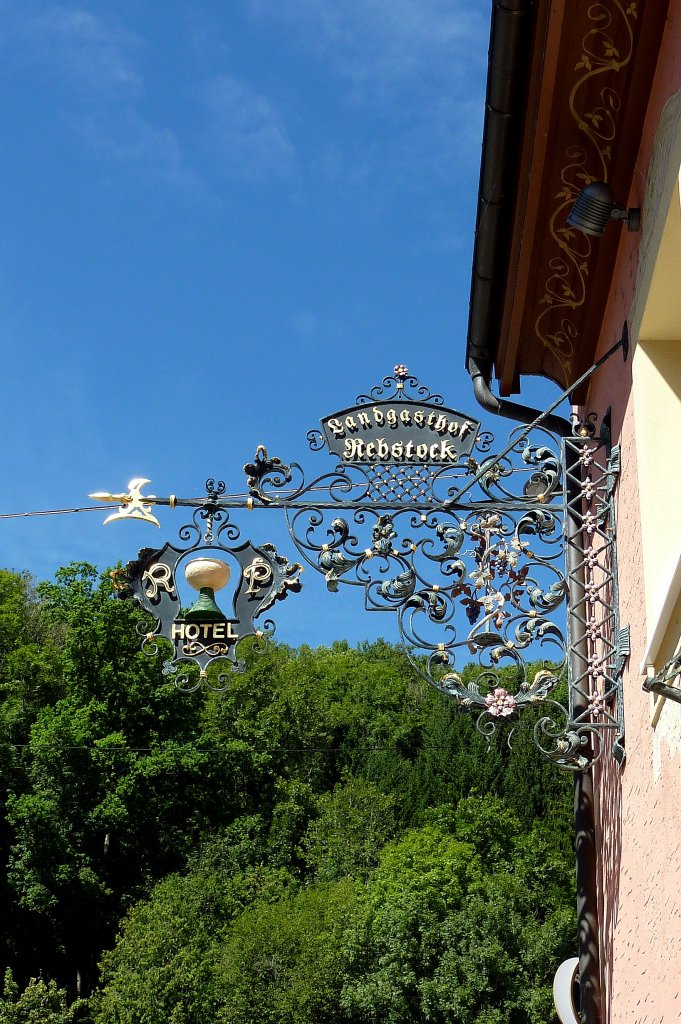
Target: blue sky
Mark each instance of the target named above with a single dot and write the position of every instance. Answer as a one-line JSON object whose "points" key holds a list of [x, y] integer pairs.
{"points": [[223, 220]]}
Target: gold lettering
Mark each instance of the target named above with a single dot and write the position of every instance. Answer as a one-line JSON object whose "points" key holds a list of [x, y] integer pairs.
{"points": [[218, 631], [157, 577], [371, 450], [405, 416], [466, 428], [419, 418], [177, 631], [364, 420], [398, 450], [378, 416], [258, 573], [351, 425], [191, 631], [391, 417], [336, 427], [422, 451], [353, 448]]}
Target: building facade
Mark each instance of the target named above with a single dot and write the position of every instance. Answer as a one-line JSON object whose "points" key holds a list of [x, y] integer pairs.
{"points": [[579, 93]]}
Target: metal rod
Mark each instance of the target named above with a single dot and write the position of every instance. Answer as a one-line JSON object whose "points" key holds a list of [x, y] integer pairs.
{"points": [[395, 506]]}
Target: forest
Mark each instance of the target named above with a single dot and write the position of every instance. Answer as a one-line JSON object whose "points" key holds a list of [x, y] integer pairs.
{"points": [[329, 840]]}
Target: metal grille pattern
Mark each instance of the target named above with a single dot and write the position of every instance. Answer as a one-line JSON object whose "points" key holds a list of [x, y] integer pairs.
{"points": [[598, 646], [397, 483]]}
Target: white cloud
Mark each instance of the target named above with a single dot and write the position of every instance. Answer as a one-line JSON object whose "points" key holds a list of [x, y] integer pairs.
{"points": [[246, 132], [414, 69], [93, 70], [123, 137], [386, 45], [92, 59]]}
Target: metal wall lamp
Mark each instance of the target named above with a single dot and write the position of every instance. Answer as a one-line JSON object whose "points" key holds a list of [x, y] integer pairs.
{"points": [[595, 206]]}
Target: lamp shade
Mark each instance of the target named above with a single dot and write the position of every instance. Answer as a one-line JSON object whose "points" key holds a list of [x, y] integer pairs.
{"points": [[566, 991], [592, 209]]}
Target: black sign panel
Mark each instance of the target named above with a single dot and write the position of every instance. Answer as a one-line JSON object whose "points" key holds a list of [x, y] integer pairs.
{"points": [[400, 432]]}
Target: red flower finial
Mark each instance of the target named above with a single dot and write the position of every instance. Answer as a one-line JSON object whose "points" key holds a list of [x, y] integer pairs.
{"points": [[400, 371]]}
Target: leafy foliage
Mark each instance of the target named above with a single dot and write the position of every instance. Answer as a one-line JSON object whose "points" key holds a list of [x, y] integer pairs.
{"points": [[329, 840], [39, 1003]]}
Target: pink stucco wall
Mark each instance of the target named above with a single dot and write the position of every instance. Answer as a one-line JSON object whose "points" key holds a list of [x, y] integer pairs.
{"points": [[639, 810]]}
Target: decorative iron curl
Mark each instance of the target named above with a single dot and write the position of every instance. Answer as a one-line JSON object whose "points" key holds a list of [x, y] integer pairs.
{"points": [[403, 388], [568, 745], [484, 441], [150, 637], [316, 440], [215, 488]]}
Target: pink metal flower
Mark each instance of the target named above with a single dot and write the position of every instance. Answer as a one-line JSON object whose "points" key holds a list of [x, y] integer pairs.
{"points": [[590, 522], [588, 489], [593, 630], [591, 557], [401, 372], [596, 704], [500, 703]]}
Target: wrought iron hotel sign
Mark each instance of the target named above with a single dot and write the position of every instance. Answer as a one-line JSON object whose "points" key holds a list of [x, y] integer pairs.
{"points": [[474, 552]]}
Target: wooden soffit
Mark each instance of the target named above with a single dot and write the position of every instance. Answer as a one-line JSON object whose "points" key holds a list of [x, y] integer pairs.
{"points": [[592, 69]]}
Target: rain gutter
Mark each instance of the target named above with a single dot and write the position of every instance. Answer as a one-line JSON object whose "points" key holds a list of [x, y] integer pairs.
{"points": [[510, 58]]}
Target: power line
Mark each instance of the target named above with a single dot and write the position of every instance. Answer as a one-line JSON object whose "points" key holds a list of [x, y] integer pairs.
{"points": [[216, 750], [54, 512]]}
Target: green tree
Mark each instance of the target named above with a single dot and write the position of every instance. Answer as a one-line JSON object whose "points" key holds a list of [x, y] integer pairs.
{"points": [[117, 785], [355, 821], [284, 963], [465, 920], [194, 815], [39, 1003]]}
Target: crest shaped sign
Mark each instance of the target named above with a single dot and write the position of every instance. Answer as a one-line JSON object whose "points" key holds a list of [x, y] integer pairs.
{"points": [[221, 616]]}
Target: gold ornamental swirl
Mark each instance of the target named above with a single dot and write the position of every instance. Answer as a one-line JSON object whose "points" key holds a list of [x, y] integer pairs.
{"points": [[214, 650], [603, 54]]}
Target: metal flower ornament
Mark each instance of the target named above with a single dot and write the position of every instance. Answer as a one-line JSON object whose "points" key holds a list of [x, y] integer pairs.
{"points": [[464, 546]]}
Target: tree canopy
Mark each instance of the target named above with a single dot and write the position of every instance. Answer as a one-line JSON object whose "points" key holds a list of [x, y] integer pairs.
{"points": [[328, 840]]}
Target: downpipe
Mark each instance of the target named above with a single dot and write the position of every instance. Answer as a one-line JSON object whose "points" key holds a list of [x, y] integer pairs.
{"points": [[584, 809]]}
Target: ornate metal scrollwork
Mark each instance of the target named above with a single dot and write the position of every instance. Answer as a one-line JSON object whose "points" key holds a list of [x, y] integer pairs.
{"points": [[470, 557], [465, 546]]}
